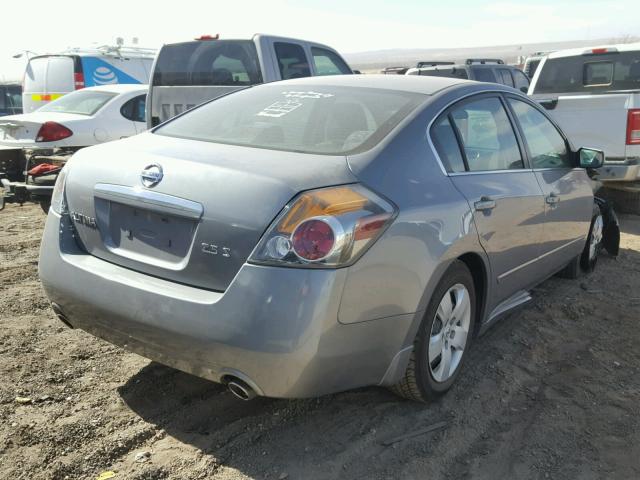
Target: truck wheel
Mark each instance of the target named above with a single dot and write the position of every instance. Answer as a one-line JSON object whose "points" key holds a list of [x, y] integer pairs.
{"points": [[443, 338], [594, 241], [44, 205]]}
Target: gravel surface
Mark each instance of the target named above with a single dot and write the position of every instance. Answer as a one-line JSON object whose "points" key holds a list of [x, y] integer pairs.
{"points": [[550, 392]]}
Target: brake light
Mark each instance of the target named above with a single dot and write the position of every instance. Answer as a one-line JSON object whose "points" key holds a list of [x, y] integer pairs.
{"points": [[633, 126], [78, 80], [52, 131], [208, 37], [329, 227]]}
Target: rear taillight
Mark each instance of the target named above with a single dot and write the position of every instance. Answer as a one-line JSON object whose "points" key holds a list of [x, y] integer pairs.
{"points": [[633, 126], [52, 131], [78, 80], [331, 227]]}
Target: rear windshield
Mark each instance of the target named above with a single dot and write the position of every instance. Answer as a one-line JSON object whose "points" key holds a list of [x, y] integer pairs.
{"points": [[590, 73], [298, 118], [214, 62], [82, 102]]}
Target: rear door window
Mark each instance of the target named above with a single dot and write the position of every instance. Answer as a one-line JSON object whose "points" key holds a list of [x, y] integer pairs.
{"points": [[547, 148], [444, 139], [203, 63], [328, 63], [590, 73], [134, 109], [292, 61], [487, 136]]}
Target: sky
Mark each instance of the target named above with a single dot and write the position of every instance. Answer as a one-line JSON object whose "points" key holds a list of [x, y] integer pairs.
{"points": [[348, 26]]}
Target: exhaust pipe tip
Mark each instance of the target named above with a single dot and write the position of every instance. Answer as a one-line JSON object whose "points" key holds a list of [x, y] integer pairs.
{"points": [[240, 389], [61, 316]]}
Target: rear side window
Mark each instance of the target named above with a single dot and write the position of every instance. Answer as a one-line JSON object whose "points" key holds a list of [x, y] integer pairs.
{"points": [[82, 102], [445, 72], [484, 75], [590, 73], [546, 146], [292, 61], [328, 63], [505, 77], [204, 63], [324, 120], [487, 135]]}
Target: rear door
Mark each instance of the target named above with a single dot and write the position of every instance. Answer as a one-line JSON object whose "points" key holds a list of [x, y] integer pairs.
{"points": [[478, 142], [134, 111], [47, 78], [567, 189]]}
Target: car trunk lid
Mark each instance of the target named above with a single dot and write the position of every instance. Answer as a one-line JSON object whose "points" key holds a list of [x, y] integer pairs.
{"points": [[18, 129], [201, 221]]}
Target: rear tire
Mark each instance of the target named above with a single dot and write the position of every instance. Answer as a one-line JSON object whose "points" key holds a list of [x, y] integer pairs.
{"points": [[592, 248], [443, 338]]}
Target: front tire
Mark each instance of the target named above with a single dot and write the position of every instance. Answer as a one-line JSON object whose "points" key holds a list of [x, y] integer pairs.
{"points": [[593, 246], [443, 338]]}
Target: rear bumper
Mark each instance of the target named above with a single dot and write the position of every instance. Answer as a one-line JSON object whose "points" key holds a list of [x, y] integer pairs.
{"points": [[624, 171], [275, 328]]}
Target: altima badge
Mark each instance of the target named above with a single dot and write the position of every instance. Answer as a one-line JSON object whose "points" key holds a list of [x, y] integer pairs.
{"points": [[151, 175]]}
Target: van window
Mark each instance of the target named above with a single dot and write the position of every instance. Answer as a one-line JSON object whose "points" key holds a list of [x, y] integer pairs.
{"points": [[323, 120], [82, 102], [292, 61], [590, 73], [488, 138], [328, 63], [216, 62]]}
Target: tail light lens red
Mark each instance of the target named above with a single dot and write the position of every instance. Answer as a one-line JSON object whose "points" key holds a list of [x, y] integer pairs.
{"points": [[330, 227], [52, 132], [78, 80], [633, 126]]}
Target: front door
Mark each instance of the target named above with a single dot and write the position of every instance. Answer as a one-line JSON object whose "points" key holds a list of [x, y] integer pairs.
{"points": [[567, 189]]}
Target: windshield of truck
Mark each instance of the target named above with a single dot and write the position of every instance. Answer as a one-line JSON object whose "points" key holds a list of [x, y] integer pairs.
{"points": [[82, 102], [601, 73], [298, 118], [213, 62]]}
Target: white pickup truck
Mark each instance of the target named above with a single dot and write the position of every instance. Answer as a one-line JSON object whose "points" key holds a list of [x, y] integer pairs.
{"points": [[594, 95], [189, 73]]}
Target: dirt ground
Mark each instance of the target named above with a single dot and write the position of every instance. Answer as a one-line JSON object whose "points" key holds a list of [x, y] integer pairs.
{"points": [[552, 392]]}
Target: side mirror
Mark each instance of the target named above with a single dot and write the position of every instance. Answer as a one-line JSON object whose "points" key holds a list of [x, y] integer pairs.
{"points": [[357, 72], [590, 157]]}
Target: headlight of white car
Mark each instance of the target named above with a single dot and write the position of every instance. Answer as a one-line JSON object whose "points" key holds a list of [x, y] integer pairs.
{"points": [[58, 203]]}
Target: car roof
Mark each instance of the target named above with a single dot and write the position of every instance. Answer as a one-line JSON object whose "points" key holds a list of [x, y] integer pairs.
{"points": [[119, 88], [406, 83], [575, 52]]}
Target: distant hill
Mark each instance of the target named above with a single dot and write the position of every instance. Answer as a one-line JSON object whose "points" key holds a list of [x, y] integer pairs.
{"points": [[376, 60]]}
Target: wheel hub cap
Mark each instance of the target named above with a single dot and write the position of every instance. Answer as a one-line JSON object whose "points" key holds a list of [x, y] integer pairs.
{"points": [[448, 337]]}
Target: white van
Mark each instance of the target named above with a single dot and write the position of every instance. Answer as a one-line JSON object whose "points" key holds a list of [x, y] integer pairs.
{"points": [[48, 77]]}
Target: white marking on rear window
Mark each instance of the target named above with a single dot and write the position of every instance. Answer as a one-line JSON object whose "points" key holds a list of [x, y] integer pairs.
{"points": [[293, 101]]}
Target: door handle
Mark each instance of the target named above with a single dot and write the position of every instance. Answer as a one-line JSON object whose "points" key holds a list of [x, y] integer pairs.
{"points": [[552, 199], [485, 203]]}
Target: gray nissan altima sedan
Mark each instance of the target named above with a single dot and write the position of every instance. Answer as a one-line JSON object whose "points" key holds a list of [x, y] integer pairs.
{"points": [[315, 235]]}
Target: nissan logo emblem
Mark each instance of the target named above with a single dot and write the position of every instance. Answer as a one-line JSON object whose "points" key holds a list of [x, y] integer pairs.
{"points": [[151, 175]]}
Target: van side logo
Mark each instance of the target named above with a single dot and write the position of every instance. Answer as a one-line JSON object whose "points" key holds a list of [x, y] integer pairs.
{"points": [[151, 175]]}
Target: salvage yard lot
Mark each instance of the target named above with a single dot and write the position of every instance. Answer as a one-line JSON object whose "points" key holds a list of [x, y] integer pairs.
{"points": [[550, 392]]}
